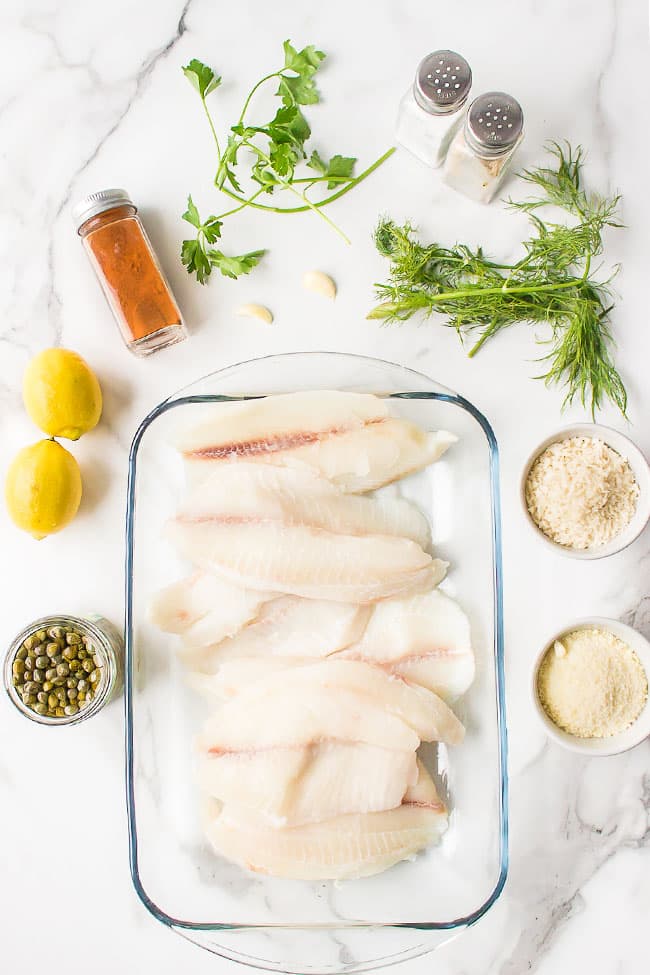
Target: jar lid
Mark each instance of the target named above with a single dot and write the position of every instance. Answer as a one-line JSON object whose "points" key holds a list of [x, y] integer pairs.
{"points": [[494, 123], [89, 206], [442, 82]]}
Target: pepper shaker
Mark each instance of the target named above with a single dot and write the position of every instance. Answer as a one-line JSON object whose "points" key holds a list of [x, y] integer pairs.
{"points": [[481, 151], [432, 109]]}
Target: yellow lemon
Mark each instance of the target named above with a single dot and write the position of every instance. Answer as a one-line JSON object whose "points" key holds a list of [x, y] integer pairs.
{"points": [[43, 488], [61, 394]]}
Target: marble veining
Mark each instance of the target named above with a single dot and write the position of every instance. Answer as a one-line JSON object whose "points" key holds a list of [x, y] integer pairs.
{"points": [[92, 95]]}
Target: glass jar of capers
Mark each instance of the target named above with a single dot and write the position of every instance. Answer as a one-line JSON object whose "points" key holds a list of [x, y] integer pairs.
{"points": [[62, 669]]}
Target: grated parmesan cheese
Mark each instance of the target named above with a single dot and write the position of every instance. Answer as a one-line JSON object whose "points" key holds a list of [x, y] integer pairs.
{"points": [[596, 687], [581, 493]]}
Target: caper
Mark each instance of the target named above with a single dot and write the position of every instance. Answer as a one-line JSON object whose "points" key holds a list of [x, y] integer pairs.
{"points": [[88, 665], [94, 677], [71, 709], [59, 712], [30, 642], [51, 649], [42, 661], [97, 660], [59, 681], [29, 699], [82, 685], [47, 685], [15, 680], [42, 697], [40, 708], [74, 665], [21, 652], [60, 693], [62, 669], [18, 667], [58, 659], [38, 675], [82, 653], [42, 635], [69, 653], [55, 632], [29, 663], [71, 638], [82, 701], [50, 673], [52, 701], [31, 687]]}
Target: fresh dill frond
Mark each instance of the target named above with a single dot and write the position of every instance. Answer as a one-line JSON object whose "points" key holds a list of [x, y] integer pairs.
{"points": [[553, 283]]}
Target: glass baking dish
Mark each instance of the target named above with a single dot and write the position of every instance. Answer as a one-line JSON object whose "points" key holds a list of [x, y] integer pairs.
{"points": [[318, 927]]}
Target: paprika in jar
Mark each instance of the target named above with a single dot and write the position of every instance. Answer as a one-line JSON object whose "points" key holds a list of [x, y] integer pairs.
{"points": [[128, 270]]}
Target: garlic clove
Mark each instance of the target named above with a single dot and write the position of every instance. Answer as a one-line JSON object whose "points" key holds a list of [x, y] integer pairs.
{"points": [[256, 311], [560, 649], [320, 283]]}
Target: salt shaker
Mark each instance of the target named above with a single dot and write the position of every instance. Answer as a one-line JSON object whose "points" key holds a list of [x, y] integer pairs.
{"points": [[481, 151], [432, 109]]}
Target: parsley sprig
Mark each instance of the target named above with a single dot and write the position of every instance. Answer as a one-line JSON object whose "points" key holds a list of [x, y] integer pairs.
{"points": [[554, 282], [277, 148]]}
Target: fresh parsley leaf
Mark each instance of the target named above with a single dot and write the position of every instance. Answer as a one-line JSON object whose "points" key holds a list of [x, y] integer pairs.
{"points": [[211, 228], [194, 258], [283, 159], [305, 62], [232, 267], [298, 91], [338, 166], [228, 159], [202, 77]]}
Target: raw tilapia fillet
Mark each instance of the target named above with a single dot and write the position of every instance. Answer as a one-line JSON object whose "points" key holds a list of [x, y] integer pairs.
{"points": [[305, 562], [422, 710], [249, 494], [204, 608], [424, 638], [299, 758], [350, 438], [286, 627], [343, 848]]}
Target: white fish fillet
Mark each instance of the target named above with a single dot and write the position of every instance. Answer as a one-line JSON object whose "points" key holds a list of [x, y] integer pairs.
{"points": [[342, 848], [350, 438], [325, 752], [252, 493], [424, 712], [424, 638], [284, 627], [204, 608], [304, 562]]}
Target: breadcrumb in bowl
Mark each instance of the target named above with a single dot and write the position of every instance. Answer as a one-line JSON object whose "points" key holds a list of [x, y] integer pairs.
{"points": [[601, 505]]}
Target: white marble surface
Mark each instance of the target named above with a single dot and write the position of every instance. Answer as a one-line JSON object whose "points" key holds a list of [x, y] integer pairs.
{"points": [[92, 95]]}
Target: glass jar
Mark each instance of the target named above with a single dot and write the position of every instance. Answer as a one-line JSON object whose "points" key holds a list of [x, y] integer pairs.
{"points": [[481, 152], [107, 645], [433, 108], [128, 271]]}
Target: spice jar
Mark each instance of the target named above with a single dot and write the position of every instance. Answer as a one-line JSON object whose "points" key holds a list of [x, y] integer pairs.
{"points": [[128, 271], [79, 659], [481, 152], [432, 109]]}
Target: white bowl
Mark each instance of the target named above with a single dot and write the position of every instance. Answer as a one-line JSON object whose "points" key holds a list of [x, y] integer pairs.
{"points": [[623, 446], [615, 744]]}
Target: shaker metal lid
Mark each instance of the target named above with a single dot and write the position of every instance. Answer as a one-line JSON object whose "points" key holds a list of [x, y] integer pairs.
{"points": [[442, 82], [494, 123], [96, 203]]}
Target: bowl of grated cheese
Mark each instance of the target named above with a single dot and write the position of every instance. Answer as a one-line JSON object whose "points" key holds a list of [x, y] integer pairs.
{"points": [[590, 687], [585, 491]]}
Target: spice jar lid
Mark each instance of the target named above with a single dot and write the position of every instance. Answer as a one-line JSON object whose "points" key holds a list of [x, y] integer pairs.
{"points": [[89, 206], [442, 82], [494, 123]]}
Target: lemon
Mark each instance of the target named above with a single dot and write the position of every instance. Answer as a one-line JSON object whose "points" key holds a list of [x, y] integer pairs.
{"points": [[61, 394], [43, 488]]}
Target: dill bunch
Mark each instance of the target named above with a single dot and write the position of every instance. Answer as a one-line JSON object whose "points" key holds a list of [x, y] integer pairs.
{"points": [[554, 283]]}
